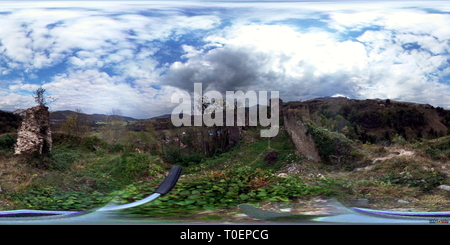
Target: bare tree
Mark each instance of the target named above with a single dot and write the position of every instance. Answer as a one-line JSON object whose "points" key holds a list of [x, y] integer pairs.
{"points": [[42, 99], [114, 130], [115, 114]]}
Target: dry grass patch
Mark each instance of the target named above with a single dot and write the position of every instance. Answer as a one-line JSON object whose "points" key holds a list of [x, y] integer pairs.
{"points": [[15, 176], [435, 202], [369, 188]]}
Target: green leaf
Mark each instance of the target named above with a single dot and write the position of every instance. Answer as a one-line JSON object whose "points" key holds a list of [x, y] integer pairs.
{"points": [[185, 193], [193, 197], [185, 202], [261, 194], [244, 197]]}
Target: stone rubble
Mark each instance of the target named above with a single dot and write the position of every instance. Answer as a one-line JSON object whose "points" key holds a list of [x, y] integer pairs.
{"points": [[444, 187]]}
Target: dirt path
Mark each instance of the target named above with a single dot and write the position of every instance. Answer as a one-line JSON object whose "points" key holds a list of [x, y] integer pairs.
{"points": [[260, 154], [392, 154]]}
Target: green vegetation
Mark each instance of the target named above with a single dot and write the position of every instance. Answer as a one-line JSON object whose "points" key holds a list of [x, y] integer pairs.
{"points": [[77, 123], [377, 121], [111, 162], [408, 172], [7, 141], [333, 147], [87, 172], [9, 122], [438, 149], [223, 189]]}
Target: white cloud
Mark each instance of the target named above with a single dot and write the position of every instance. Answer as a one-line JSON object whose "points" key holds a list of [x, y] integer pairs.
{"points": [[401, 55], [273, 57], [317, 63], [190, 51], [20, 86]]}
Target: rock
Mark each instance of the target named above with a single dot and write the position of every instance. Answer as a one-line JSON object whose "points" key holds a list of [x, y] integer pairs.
{"points": [[298, 169], [444, 187], [402, 201], [364, 168], [35, 133], [271, 156], [282, 175]]}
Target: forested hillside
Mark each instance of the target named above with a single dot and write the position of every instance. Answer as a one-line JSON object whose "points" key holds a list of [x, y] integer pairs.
{"points": [[379, 121], [9, 122]]}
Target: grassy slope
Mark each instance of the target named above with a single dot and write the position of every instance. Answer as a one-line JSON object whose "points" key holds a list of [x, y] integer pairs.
{"points": [[83, 179]]}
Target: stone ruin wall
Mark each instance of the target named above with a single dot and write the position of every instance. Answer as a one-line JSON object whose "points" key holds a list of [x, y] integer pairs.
{"points": [[294, 116], [35, 133]]}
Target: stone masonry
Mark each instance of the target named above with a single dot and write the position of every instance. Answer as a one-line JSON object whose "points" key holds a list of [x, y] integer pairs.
{"points": [[294, 117], [35, 133]]}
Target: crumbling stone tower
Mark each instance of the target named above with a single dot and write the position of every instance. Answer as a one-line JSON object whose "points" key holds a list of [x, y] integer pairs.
{"points": [[35, 133]]}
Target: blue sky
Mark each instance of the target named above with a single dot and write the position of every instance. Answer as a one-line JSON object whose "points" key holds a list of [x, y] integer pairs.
{"points": [[133, 55]]}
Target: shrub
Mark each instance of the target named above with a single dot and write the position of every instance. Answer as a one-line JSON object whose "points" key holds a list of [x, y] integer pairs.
{"points": [[435, 153], [133, 165], [436, 149], [192, 159], [36, 160], [173, 156], [89, 143], [7, 142], [64, 158], [409, 172], [66, 140], [117, 147], [51, 198], [128, 166], [333, 147]]}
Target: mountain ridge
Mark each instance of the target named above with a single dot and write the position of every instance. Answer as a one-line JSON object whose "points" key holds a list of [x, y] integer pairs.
{"points": [[370, 120], [64, 115]]}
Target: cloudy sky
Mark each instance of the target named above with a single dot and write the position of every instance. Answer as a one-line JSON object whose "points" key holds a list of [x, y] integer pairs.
{"points": [[133, 56]]}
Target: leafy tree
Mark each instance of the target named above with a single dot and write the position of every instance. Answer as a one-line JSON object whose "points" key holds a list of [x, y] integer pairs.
{"points": [[340, 122], [77, 124]]}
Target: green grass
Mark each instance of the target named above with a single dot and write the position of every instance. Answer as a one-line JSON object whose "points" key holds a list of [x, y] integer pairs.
{"points": [[409, 172], [80, 179], [74, 177], [225, 189], [438, 149]]}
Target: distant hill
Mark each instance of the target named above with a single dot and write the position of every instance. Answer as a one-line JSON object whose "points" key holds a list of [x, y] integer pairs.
{"points": [[20, 112], [9, 122], [63, 115], [370, 120], [162, 116]]}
